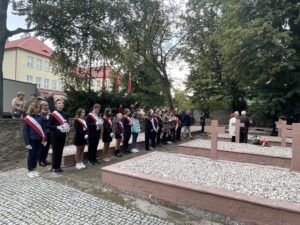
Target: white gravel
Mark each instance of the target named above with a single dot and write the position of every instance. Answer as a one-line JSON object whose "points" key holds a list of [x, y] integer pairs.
{"points": [[269, 138], [253, 180], [276, 151]]}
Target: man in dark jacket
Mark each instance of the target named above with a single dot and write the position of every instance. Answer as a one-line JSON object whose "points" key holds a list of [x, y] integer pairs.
{"points": [[244, 130], [127, 123], [187, 124], [51, 102]]}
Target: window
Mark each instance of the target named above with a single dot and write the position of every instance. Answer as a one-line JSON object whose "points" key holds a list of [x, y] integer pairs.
{"points": [[46, 83], [61, 86], [39, 64], [30, 62], [47, 66], [54, 85], [38, 82], [29, 79]]}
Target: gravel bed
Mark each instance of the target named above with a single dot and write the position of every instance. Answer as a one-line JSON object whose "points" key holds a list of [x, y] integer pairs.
{"points": [[276, 151], [250, 136], [252, 180]]}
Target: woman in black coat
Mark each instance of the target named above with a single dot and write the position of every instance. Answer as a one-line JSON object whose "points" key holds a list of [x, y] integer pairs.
{"points": [[81, 136], [107, 132]]}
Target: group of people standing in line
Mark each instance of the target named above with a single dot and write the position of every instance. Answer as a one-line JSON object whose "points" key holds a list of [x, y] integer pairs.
{"points": [[43, 127], [243, 130]]}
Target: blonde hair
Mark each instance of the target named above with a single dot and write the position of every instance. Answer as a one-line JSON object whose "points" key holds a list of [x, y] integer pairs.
{"points": [[31, 108]]}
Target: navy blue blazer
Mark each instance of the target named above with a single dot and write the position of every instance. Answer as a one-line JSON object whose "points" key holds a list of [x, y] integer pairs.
{"points": [[31, 134]]}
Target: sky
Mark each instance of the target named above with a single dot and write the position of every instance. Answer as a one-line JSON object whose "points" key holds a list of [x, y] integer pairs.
{"points": [[178, 70]]}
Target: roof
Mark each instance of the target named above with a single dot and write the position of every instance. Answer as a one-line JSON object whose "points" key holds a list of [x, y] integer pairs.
{"points": [[31, 44]]}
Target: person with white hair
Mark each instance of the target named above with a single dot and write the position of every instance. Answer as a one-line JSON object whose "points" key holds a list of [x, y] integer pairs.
{"points": [[244, 130], [232, 122]]}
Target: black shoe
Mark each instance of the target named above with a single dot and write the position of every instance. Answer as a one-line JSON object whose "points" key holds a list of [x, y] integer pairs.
{"points": [[91, 163], [54, 171], [42, 164], [96, 161], [47, 163], [118, 153], [60, 170]]}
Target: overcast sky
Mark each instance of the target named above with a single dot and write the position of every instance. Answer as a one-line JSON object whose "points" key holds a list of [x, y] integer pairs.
{"points": [[178, 70]]}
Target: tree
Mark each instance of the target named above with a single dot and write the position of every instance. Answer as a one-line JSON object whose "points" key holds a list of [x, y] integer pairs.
{"points": [[4, 35], [150, 31]]}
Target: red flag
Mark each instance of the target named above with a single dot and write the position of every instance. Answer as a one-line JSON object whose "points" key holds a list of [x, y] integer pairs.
{"points": [[104, 77], [129, 83], [117, 80]]}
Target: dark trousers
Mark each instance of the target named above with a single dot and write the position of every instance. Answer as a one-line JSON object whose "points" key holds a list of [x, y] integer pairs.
{"points": [[147, 140], [134, 139], [158, 134], [126, 141], [164, 139], [153, 139], [58, 142], [93, 146], [232, 138], [173, 134], [178, 133], [33, 154], [45, 150], [202, 127], [243, 137]]}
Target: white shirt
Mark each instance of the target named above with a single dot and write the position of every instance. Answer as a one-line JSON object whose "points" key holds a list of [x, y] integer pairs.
{"points": [[232, 122]]}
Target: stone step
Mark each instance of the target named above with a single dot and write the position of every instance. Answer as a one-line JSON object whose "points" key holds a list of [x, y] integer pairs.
{"points": [[246, 192], [70, 150]]}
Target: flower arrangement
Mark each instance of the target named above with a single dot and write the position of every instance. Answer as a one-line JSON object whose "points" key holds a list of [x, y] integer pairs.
{"points": [[256, 140]]}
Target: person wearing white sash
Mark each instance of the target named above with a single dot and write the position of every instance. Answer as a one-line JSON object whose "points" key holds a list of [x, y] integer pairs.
{"points": [[81, 136], [34, 137], [148, 131], [94, 124], [127, 123], [119, 134], [59, 128]]}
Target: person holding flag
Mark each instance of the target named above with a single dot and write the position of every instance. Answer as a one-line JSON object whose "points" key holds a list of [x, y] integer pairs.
{"points": [[34, 137], [59, 128]]}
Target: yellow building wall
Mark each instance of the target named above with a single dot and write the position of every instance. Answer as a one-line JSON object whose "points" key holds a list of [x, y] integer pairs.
{"points": [[9, 64], [20, 71]]}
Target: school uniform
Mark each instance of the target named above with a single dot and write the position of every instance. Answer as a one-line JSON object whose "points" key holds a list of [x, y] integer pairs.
{"points": [[159, 130], [107, 130], [34, 135], [94, 132], [148, 132], [118, 130], [45, 149], [58, 137], [154, 123], [81, 131], [127, 133]]}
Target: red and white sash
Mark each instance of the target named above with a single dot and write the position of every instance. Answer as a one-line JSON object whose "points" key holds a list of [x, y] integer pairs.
{"points": [[108, 121], [82, 122], [120, 124], [128, 119], [35, 126], [95, 118], [58, 117]]}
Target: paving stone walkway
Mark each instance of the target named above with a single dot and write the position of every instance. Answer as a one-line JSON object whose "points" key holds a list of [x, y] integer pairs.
{"points": [[40, 201]]}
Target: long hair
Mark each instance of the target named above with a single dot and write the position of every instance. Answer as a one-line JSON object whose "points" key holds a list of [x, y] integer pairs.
{"points": [[107, 111], [31, 108], [78, 112]]}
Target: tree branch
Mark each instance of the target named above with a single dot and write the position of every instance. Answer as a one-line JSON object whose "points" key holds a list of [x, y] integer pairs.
{"points": [[20, 30]]}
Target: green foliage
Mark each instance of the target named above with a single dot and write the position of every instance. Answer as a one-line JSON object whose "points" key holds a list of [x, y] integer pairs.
{"points": [[182, 101], [245, 52]]}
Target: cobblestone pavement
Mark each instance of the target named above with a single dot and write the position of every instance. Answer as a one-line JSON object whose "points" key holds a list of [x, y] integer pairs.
{"points": [[41, 201]]}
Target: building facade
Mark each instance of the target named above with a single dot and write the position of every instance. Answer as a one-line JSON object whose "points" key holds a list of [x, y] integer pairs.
{"points": [[28, 60]]}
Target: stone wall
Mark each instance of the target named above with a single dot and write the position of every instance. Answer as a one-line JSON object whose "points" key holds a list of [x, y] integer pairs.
{"points": [[12, 143]]}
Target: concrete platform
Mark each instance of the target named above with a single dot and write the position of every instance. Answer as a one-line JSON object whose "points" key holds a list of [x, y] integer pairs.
{"points": [[69, 151], [273, 140], [248, 153], [240, 206]]}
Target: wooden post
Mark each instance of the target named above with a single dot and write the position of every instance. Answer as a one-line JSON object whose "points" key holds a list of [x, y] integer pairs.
{"points": [[279, 130], [214, 129], [238, 125], [282, 125], [295, 165]]}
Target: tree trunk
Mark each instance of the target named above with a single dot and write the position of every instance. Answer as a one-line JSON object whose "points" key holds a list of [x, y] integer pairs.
{"points": [[166, 86], [3, 38]]}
